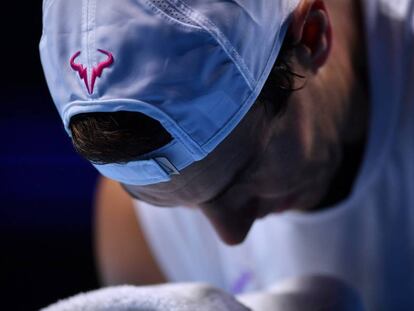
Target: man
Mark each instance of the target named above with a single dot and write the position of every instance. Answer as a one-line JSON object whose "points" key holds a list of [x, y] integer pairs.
{"points": [[323, 149]]}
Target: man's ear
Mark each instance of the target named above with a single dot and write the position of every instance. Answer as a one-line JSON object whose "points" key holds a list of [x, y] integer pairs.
{"points": [[310, 33]]}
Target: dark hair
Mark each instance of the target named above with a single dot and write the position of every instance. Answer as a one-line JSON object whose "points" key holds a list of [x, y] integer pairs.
{"points": [[116, 137], [119, 137]]}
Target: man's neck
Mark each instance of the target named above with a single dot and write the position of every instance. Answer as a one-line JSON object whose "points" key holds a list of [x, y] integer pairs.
{"points": [[355, 130]]}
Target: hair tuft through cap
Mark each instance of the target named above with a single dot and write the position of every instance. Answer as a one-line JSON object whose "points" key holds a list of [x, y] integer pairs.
{"points": [[196, 66]]}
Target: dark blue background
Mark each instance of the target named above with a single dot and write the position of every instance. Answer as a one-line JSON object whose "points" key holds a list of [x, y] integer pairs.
{"points": [[46, 191]]}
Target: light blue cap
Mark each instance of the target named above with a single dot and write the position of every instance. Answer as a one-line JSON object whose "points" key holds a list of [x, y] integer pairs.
{"points": [[196, 66]]}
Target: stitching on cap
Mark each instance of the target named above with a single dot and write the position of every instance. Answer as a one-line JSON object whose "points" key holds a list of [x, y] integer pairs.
{"points": [[93, 44], [209, 26], [88, 56], [172, 12], [84, 34]]}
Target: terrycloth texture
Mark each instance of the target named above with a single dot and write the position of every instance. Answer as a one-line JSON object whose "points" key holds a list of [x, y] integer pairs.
{"points": [[299, 294], [171, 297], [315, 292]]}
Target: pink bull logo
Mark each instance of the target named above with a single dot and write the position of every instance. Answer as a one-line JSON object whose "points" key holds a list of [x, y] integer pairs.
{"points": [[96, 71]]}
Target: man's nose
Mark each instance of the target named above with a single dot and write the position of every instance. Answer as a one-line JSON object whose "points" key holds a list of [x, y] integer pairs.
{"points": [[231, 225]]}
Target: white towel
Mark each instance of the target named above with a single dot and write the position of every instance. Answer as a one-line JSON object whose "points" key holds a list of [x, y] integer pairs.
{"points": [[306, 293], [299, 294], [170, 297]]}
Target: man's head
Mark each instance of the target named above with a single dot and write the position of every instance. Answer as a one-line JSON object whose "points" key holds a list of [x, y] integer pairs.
{"points": [[282, 155]]}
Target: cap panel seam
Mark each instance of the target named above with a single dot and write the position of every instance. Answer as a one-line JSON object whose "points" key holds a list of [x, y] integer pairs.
{"points": [[94, 57], [84, 36], [248, 102], [218, 35], [88, 56], [163, 11], [89, 40]]}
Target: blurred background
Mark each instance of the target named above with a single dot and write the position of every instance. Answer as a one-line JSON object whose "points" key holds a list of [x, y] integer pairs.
{"points": [[46, 191]]}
